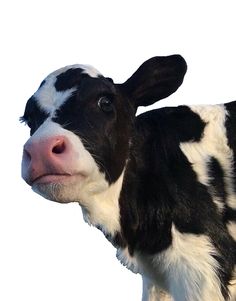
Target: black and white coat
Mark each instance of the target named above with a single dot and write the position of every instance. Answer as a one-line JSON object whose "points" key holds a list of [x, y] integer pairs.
{"points": [[161, 186]]}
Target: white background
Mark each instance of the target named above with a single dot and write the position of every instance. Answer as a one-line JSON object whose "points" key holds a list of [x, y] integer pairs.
{"points": [[47, 252]]}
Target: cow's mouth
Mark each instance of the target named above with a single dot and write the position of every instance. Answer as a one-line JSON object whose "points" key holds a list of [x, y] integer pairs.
{"points": [[58, 187], [51, 178]]}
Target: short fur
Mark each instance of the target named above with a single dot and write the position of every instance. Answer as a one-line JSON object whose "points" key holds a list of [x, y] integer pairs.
{"points": [[161, 186]]}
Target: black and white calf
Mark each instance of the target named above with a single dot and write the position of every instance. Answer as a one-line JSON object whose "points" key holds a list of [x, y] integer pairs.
{"points": [[161, 186]]}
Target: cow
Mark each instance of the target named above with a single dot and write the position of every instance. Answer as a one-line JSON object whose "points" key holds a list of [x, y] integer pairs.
{"points": [[161, 185]]}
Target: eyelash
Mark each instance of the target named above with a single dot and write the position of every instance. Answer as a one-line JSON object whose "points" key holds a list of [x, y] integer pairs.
{"points": [[25, 121], [22, 119]]}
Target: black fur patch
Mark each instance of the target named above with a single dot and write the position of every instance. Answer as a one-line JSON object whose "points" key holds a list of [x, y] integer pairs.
{"points": [[69, 79], [217, 182], [229, 215], [33, 116]]}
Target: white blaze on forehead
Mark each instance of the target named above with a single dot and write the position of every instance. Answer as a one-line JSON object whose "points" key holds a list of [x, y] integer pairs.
{"points": [[87, 69], [48, 98]]}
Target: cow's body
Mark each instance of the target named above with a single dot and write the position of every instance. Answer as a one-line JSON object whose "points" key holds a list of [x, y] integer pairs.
{"points": [[196, 179], [161, 186]]}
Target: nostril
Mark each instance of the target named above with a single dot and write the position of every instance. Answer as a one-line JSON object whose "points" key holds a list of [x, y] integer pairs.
{"points": [[59, 148]]}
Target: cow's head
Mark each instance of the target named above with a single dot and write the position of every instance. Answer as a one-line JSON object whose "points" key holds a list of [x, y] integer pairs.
{"points": [[81, 124]]}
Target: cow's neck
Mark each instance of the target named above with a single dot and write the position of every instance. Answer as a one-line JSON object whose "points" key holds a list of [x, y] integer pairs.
{"points": [[103, 211]]}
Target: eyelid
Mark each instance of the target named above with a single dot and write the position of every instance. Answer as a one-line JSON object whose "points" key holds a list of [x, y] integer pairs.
{"points": [[109, 95]]}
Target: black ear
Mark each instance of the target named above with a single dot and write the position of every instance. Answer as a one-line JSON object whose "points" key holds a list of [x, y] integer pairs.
{"points": [[155, 79]]}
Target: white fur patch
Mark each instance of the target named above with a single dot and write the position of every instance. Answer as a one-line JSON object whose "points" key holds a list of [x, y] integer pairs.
{"points": [[186, 270], [231, 226], [213, 143], [127, 260], [189, 267], [48, 98], [102, 208], [152, 293], [232, 286], [87, 69]]}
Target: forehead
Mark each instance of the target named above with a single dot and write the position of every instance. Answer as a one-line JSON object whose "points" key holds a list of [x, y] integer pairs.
{"points": [[58, 86]]}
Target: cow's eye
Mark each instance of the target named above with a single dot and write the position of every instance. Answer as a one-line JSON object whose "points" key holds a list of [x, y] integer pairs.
{"points": [[105, 104]]}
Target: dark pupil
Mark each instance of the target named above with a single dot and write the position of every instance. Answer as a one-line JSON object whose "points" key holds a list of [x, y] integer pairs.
{"points": [[105, 104]]}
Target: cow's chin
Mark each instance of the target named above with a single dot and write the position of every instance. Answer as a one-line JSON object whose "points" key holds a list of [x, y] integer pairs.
{"points": [[60, 190], [77, 188]]}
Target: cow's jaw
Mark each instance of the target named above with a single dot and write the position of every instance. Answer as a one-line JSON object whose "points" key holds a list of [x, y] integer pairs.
{"points": [[78, 180]]}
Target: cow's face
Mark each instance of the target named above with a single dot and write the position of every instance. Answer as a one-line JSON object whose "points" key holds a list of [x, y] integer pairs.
{"points": [[80, 129], [82, 123]]}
